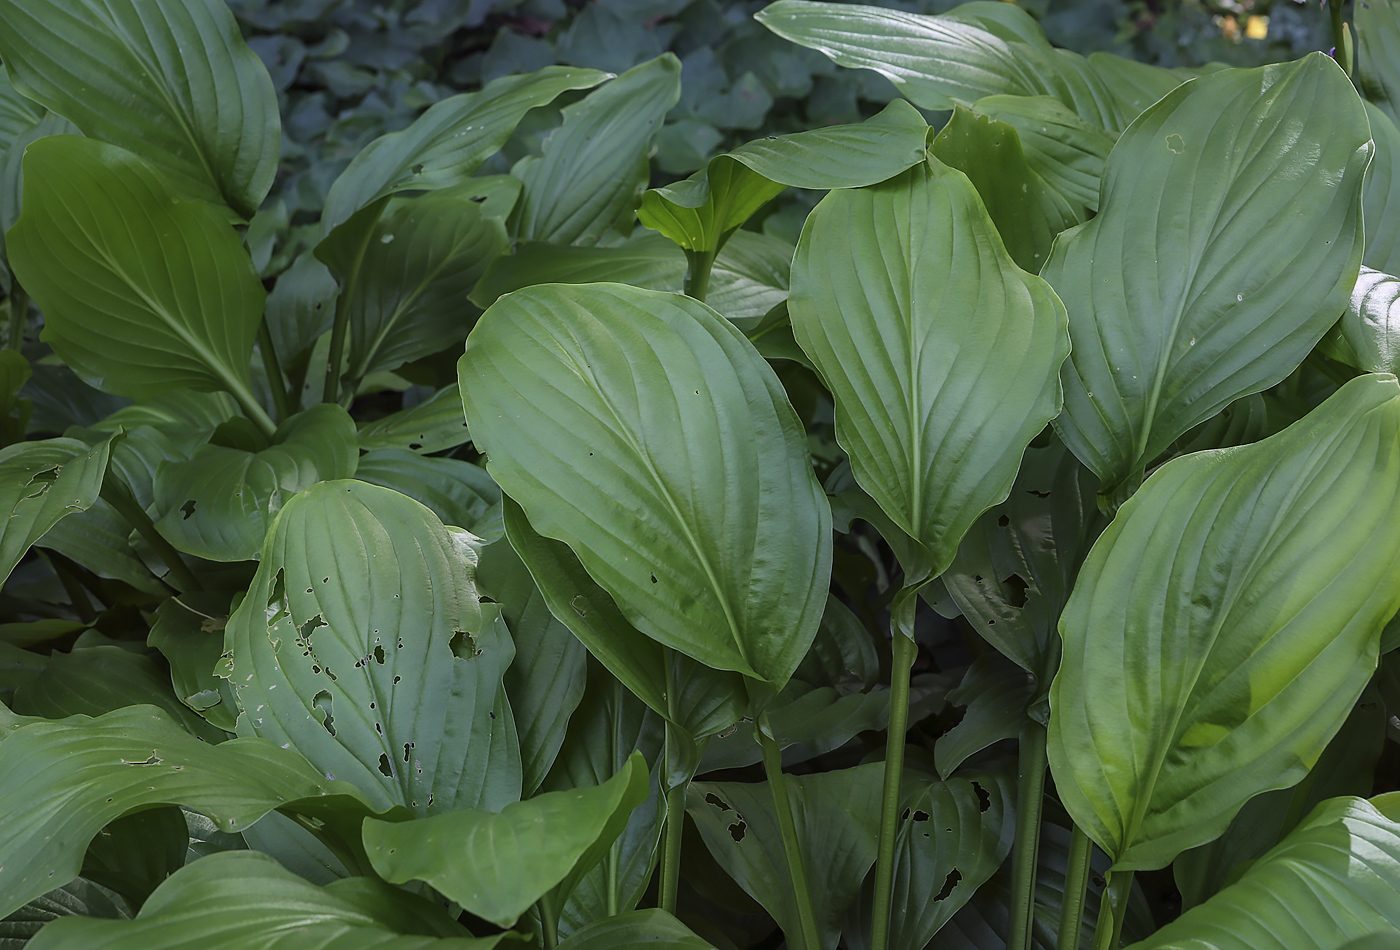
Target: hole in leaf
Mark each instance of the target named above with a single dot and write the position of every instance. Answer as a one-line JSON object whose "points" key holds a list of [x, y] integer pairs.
{"points": [[984, 798], [379, 728], [407, 750], [737, 830], [712, 799], [949, 882], [1098, 881], [1038, 494], [905, 816], [921, 816], [415, 446], [653, 578], [386, 768], [462, 644], [1016, 590], [1003, 521], [379, 655], [43, 480], [187, 509], [397, 679], [321, 708], [310, 625]]}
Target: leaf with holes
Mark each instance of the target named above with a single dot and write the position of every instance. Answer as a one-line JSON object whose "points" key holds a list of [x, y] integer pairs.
{"points": [[362, 643], [434, 424], [40, 484]]}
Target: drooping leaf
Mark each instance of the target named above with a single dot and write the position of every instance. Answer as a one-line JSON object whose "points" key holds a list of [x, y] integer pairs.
{"points": [[645, 260], [40, 484], [916, 384], [434, 424], [996, 693], [219, 504], [99, 540], [447, 143], [458, 492], [594, 167], [243, 900], [1332, 880], [62, 782], [362, 642], [1224, 624], [497, 865], [652, 928], [592, 398], [1368, 335], [837, 818], [124, 73], [189, 632], [1249, 259], [140, 293]]}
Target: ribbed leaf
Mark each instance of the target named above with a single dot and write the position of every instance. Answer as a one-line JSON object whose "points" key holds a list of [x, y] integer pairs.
{"points": [[40, 484], [1224, 624], [17, 113], [1378, 55], [1135, 84], [1381, 197], [1368, 335], [81, 898], [882, 284], [597, 399], [497, 865], [189, 633], [434, 424], [140, 293], [170, 80], [1229, 240], [362, 643], [1333, 880], [62, 782], [645, 260], [446, 144], [1063, 149], [458, 492]]}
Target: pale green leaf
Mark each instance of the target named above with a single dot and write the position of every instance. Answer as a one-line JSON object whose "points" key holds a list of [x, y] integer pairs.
{"points": [[1377, 31]]}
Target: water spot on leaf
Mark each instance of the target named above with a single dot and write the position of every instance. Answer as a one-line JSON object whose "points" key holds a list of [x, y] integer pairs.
{"points": [[949, 882]]}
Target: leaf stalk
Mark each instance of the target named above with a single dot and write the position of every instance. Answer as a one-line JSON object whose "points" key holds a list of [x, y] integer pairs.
{"points": [[1076, 886], [281, 402], [904, 650], [792, 851], [1030, 795], [1112, 909]]}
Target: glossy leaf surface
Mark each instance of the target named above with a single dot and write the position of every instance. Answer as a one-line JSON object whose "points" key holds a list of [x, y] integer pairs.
{"points": [[1224, 624], [590, 397], [1368, 335], [1177, 306], [935, 410]]}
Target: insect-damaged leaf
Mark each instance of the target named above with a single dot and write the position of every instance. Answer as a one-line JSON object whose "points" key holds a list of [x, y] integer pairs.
{"points": [[362, 643], [40, 483], [1224, 624]]}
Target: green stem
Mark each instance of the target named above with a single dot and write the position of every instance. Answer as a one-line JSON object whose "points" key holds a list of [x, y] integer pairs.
{"points": [[1341, 36], [341, 328], [549, 922], [1030, 794], [281, 402], [1076, 884], [251, 407], [119, 497], [782, 804], [904, 651], [19, 314], [671, 844], [1113, 908], [697, 275]]}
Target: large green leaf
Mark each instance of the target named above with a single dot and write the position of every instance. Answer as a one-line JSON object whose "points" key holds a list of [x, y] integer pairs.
{"points": [[975, 50], [1334, 879], [243, 900], [140, 293], [40, 484], [837, 819], [1224, 624], [597, 399], [446, 144], [1249, 182], [79, 897], [170, 80], [594, 166], [497, 865], [750, 278], [219, 503], [100, 540], [62, 782], [934, 409], [1368, 335], [654, 929], [701, 211], [458, 492]]}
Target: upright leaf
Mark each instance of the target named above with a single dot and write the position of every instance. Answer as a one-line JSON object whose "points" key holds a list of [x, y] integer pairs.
{"points": [[1378, 55], [934, 409], [362, 642], [1249, 182], [40, 484], [170, 80], [1224, 624], [595, 399]]}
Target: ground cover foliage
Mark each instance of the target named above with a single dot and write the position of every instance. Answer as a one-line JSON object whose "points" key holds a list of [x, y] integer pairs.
{"points": [[963, 517]]}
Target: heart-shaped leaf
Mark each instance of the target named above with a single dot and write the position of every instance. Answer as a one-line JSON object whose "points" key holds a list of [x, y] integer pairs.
{"points": [[41, 483], [362, 642], [213, 129], [141, 293], [1224, 624], [1173, 321], [882, 283], [592, 399], [497, 865]]}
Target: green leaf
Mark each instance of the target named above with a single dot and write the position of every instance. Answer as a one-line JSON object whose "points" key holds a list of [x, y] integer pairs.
{"points": [[14, 410], [652, 928], [687, 422], [645, 260], [135, 853], [1028, 213], [124, 73], [497, 865], [62, 782], [17, 113], [1381, 196], [300, 308], [594, 166], [434, 424], [407, 284], [362, 639], [1378, 46], [750, 278], [1368, 335], [1331, 881], [1255, 251], [914, 382], [701, 701], [40, 484], [1224, 624], [1135, 85], [996, 693], [837, 819], [699, 212], [1067, 152], [447, 143], [140, 293], [243, 900], [78, 898], [975, 50], [99, 540], [189, 632], [458, 492], [218, 504]]}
